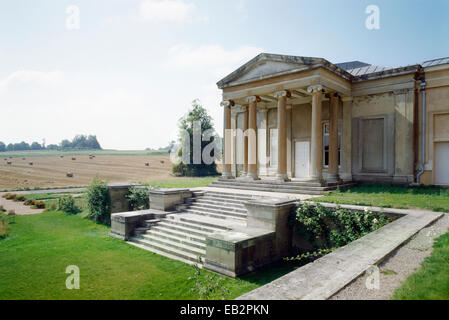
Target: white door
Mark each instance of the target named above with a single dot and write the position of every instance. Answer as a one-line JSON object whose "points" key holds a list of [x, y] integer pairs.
{"points": [[442, 163], [302, 157]]}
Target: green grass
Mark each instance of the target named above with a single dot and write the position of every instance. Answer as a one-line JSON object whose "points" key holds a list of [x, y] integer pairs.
{"points": [[431, 198], [54, 153], [431, 282], [34, 257], [183, 183]]}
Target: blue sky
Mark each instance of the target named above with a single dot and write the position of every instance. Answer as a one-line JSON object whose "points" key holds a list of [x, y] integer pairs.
{"points": [[133, 67]]}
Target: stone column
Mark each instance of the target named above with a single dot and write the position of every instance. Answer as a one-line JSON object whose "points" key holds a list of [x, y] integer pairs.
{"points": [[282, 134], [316, 145], [227, 154], [252, 137], [346, 141], [245, 142], [234, 142], [332, 176]]}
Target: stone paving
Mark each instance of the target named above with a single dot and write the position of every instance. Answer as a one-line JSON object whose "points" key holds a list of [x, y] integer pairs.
{"points": [[326, 276], [258, 193]]}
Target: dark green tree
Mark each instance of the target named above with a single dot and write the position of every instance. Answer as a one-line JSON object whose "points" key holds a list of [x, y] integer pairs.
{"points": [[2, 147], [195, 166]]}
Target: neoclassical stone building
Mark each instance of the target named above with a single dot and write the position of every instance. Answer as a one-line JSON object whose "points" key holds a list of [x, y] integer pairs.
{"points": [[331, 123]]}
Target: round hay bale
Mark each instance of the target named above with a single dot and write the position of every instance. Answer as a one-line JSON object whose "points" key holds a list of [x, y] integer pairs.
{"points": [[9, 163], [23, 158], [147, 164], [73, 158], [31, 163], [61, 157], [162, 161], [69, 175]]}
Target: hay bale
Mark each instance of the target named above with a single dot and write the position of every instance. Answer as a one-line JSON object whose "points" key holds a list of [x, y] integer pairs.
{"points": [[162, 161], [31, 163], [73, 158], [147, 164], [69, 175], [23, 158], [9, 163], [61, 157]]}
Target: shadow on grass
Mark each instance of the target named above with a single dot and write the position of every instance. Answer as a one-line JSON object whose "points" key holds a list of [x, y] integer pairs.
{"points": [[272, 272]]}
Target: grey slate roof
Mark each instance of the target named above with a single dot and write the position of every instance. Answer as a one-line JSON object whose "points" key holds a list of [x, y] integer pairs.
{"points": [[435, 62]]}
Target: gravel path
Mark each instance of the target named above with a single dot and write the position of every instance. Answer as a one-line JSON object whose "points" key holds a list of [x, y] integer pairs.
{"points": [[18, 207], [398, 266]]}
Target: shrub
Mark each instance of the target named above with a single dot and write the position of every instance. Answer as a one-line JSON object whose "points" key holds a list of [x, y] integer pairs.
{"points": [[67, 204], [99, 201], [4, 227], [39, 205], [2, 209], [53, 207], [326, 229], [138, 198], [29, 202], [20, 198], [10, 196]]}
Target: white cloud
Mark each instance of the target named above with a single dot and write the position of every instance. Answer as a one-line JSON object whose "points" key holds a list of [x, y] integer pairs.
{"points": [[23, 78], [215, 58], [157, 11]]}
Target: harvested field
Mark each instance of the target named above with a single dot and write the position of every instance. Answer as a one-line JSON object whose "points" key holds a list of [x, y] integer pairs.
{"points": [[52, 171]]}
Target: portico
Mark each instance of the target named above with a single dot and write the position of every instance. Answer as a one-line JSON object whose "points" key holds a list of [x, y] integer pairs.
{"points": [[277, 111]]}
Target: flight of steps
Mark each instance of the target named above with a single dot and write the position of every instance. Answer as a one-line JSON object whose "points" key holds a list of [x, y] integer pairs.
{"points": [[294, 187], [182, 235]]}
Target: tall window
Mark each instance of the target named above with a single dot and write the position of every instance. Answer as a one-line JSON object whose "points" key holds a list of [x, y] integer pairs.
{"points": [[326, 130]]}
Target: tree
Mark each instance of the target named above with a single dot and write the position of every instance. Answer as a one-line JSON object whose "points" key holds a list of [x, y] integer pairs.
{"points": [[2, 147], [36, 146], [196, 165]]}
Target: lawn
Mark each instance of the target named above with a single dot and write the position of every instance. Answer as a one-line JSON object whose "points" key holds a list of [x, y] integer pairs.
{"points": [[431, 198], [34, 257], [431, 281]]}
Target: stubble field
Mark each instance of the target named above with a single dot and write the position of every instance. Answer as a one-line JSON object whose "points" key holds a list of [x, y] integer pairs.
{"points": [[51, 171]]}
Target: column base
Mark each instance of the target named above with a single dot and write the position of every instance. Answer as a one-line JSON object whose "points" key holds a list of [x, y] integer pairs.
{"points": [[227, 175], [332, 178], [282, 177], [252, 176], [317, 179]]}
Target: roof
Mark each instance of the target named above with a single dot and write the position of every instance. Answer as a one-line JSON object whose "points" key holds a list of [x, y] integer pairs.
{"points": [[351, 70]]}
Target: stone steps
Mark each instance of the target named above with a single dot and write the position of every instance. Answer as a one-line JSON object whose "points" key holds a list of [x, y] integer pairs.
{"points": [[217, 215], [269, 186], [178, 252], [183, 234]]}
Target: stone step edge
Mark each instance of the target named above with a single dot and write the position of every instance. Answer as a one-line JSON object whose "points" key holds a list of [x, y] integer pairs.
{"points": [[175, 238], [175, 245], [173, 251], [164, 254]]}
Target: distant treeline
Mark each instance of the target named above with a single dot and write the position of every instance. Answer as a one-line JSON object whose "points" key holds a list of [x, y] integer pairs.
{"points": [[80, 142]]}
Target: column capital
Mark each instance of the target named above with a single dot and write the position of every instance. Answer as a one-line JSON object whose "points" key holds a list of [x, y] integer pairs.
{"points": [[282, 93], [227, 103], [315, 88], [252, 99]]}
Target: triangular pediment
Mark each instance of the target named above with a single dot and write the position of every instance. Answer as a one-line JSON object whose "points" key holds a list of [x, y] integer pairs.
{"points": [[266, 66]]}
